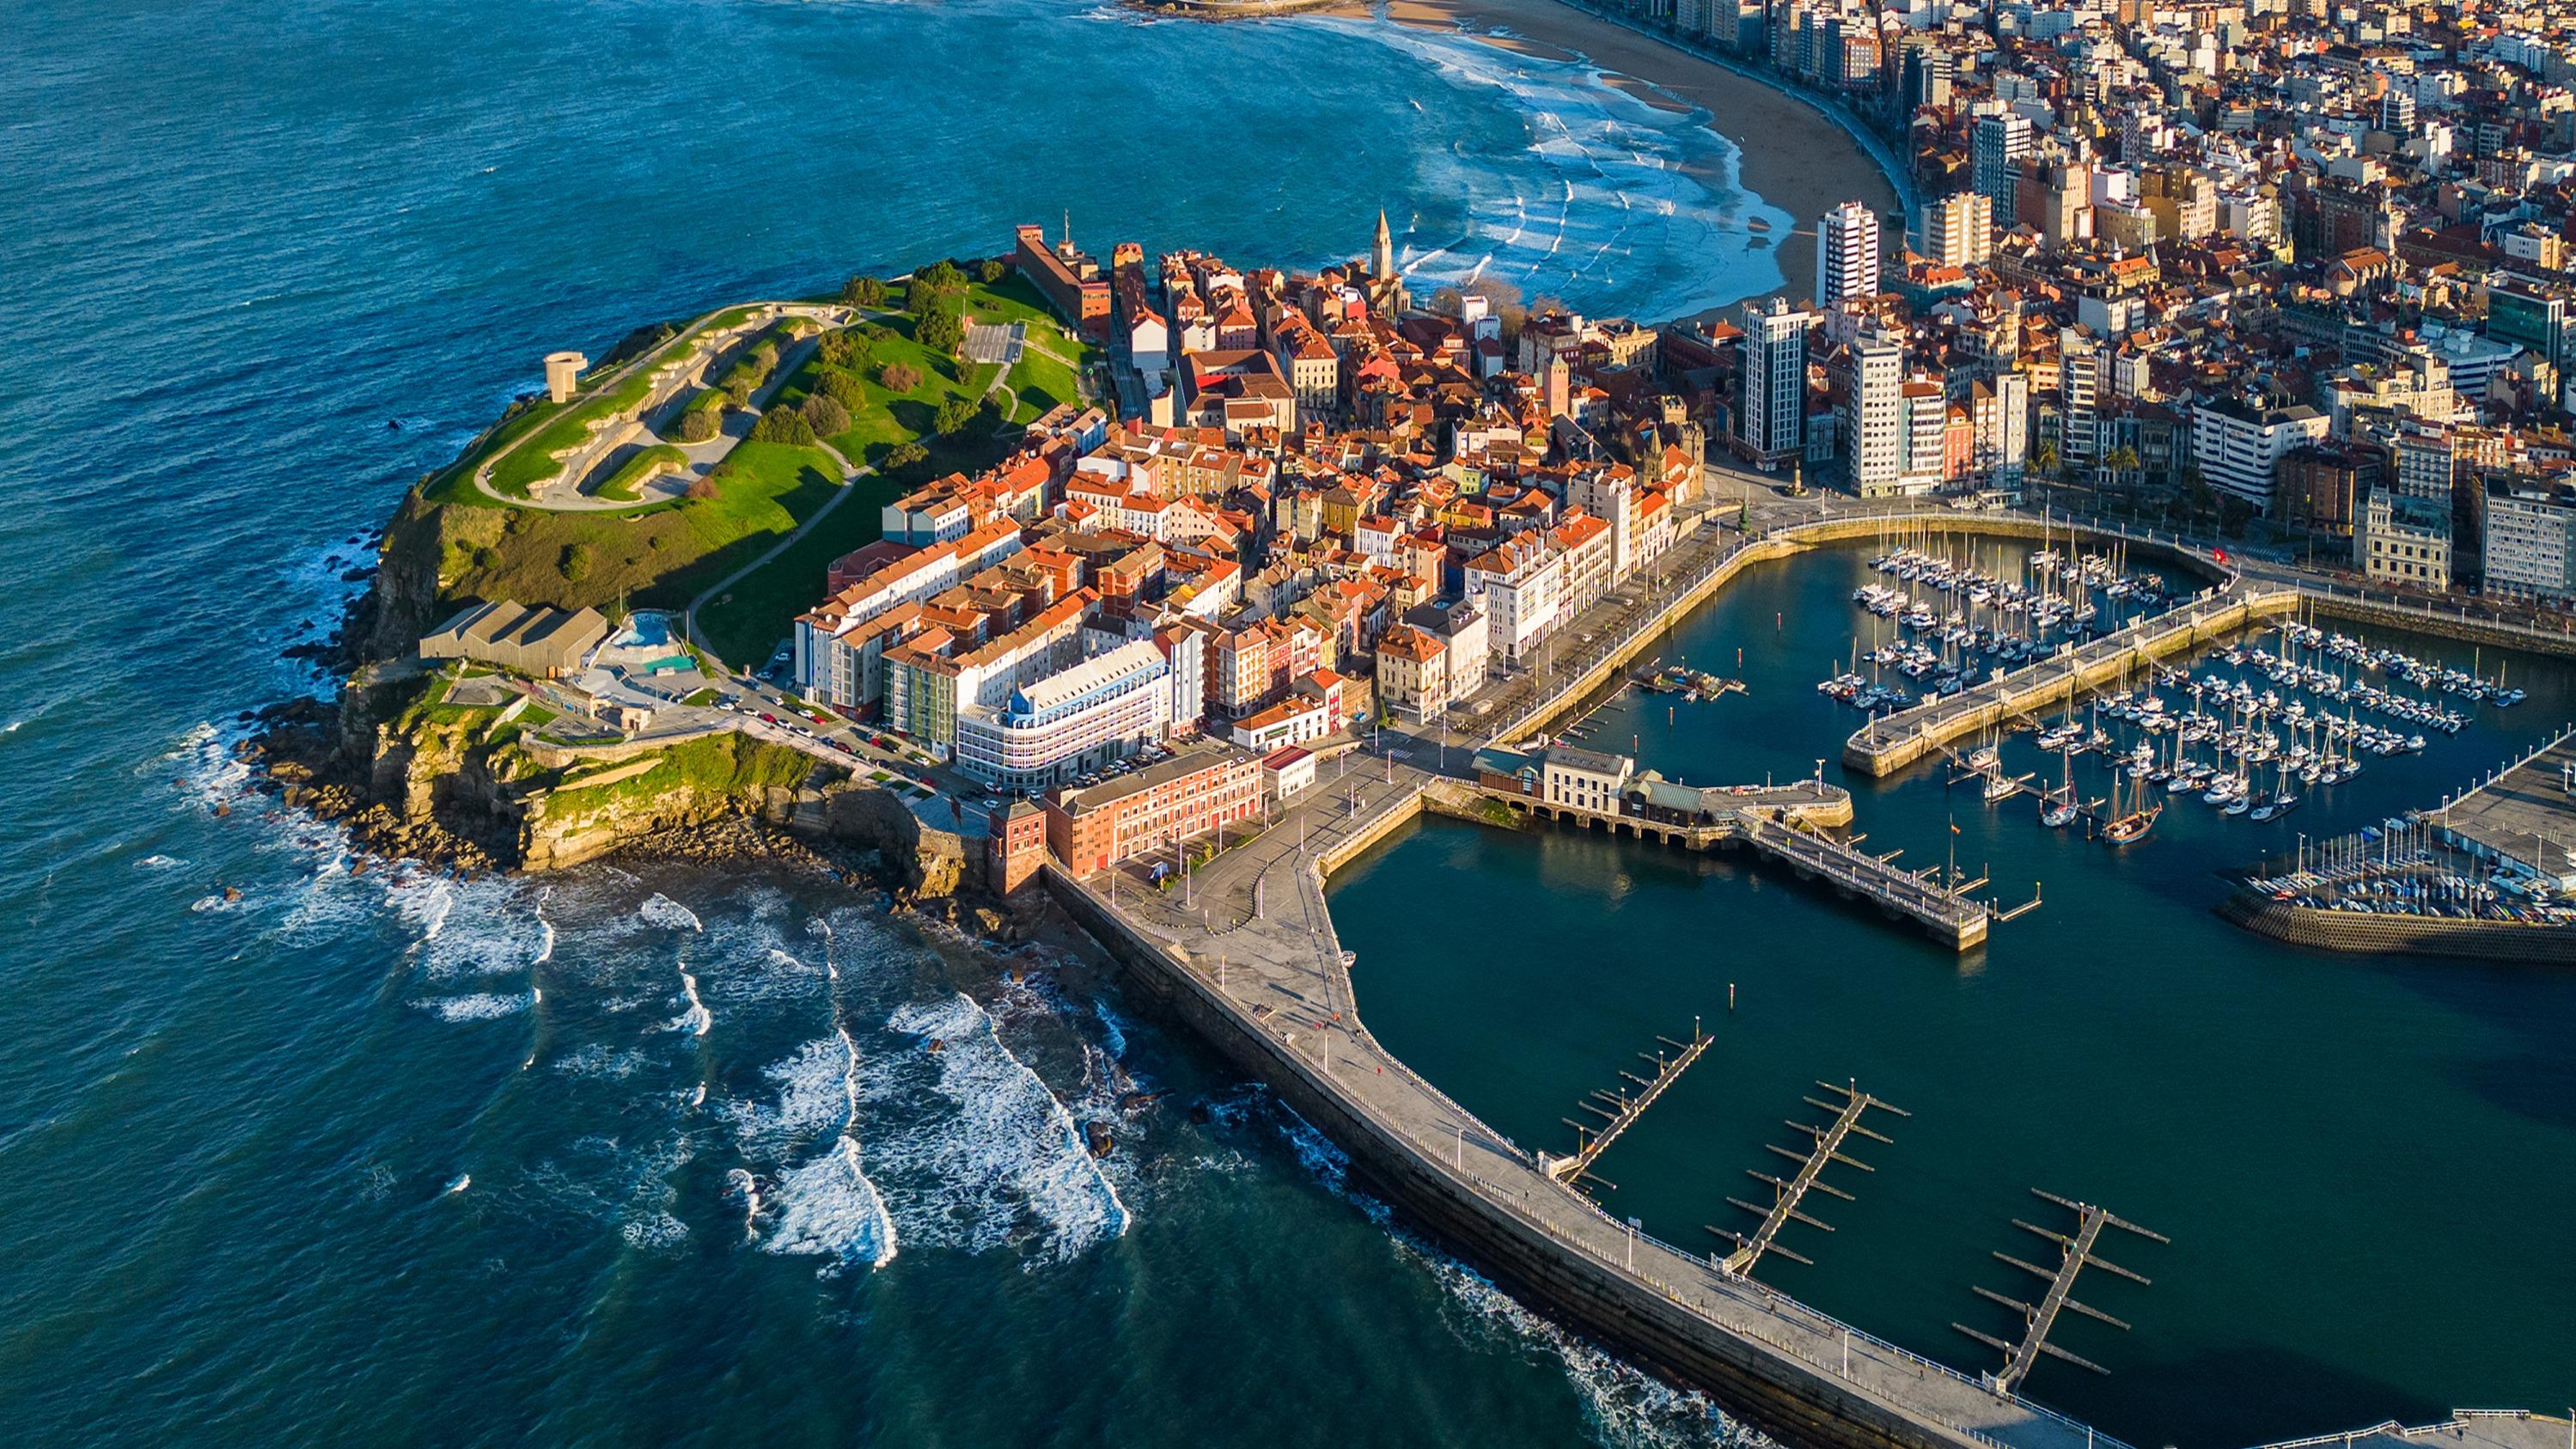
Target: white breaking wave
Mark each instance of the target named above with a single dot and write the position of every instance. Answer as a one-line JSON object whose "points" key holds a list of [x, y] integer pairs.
{"points": [[463, 1181], [487, 927], [669, 914], [482, 1006], [741, 1184], [1628, 1408], [1011, 1152], [827, 1204], [695, 1019], [160, 862], [1611, 203], [546, 946]]}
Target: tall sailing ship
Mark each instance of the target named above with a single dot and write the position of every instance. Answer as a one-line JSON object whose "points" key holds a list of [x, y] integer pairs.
{"points": [[2137, 820]]}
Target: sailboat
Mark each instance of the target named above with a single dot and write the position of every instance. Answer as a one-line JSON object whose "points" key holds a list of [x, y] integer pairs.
{"points": [[2280, 802], [2057, 807], [2133, 825]]}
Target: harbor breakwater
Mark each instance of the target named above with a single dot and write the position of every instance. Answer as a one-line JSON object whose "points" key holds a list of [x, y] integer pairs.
{"points": [[1252, 963], [1777, 1364], [2356, 932]]}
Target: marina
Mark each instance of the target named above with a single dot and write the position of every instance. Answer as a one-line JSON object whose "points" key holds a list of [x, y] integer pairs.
{"points": [[2032, 1007]]}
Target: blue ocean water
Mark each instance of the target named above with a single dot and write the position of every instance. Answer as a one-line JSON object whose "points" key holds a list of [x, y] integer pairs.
{"points": [[647, 1154]]}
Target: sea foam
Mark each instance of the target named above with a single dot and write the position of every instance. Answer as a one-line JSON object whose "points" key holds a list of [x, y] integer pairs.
{"points": [[1009, 1148]]}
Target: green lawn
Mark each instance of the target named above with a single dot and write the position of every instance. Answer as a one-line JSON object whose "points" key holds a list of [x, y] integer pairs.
{"points": [[534, 461], [646, 464], [745, 623], [657, 555], [888, 417], [727, 763]]}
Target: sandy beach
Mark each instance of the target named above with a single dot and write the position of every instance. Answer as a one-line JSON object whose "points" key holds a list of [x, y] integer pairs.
{"points": [[1793, 156]]}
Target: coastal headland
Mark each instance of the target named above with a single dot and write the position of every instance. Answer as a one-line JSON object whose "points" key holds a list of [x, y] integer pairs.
{"points": [[489, 747]]}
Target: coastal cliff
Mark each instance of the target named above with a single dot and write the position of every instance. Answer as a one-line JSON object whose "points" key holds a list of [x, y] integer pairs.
{"points": [[476, 788]]}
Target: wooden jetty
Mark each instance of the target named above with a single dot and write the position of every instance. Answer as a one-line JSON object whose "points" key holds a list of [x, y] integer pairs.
{"points": [[2075, 1255], [1620, 1111], [1787, 1194]]}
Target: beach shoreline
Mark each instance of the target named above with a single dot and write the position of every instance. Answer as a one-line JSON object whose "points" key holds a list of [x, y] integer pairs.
{"points": [[1789, 152]]}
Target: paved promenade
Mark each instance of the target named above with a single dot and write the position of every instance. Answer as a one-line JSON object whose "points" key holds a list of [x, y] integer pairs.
{"points": [[1253, 928]]}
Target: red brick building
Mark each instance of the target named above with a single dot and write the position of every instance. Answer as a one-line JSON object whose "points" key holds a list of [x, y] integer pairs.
{"points": [[1016, 846], [1196, 791], [1070, 281]]}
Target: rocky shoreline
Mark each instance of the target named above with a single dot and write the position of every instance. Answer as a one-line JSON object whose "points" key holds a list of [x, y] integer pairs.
{"points": [[409, 799]]}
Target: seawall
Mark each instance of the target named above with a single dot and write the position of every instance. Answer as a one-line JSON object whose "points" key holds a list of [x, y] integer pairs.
{"points": [[2359, 933], [1765, 1385], [1795, 539]]}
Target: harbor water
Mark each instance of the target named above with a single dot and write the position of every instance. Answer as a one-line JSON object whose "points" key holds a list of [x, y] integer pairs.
{"points": [[2363, 1163]]}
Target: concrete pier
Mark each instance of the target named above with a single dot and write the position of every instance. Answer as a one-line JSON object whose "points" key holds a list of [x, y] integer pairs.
{"points": [[1782, 824], [2524, 816], [1244, 952], [1887, 745], [1248, 957]]}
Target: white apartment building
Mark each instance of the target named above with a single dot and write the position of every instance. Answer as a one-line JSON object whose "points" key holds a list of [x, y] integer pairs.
{"points": [[2530, 541], [1772, 420], [1874, 427], [2237, 447], [1846, 254], [1520, 587], [1075, 720], [836, 657]]}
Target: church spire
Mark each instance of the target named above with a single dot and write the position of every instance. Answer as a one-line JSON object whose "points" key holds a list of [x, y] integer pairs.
{"points": [[1382, 260]]}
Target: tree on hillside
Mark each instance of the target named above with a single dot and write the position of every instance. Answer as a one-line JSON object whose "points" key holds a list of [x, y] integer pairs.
{"points": [[993, 270], [846, 347], [698, 425], [899, 376], [954, 415], [904, 457], [864, 292], [705, 488], [1502, 299], [941, 329], [932, 285], [783, 425], [575, 563], [844, 389], [825, 415]]}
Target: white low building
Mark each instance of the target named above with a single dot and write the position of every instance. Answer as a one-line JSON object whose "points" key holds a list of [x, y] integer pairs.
{"points": [[1584, 779]]}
